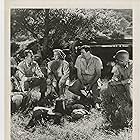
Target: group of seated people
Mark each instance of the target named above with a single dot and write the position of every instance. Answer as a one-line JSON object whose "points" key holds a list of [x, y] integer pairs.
{"points": [[28, 75]]}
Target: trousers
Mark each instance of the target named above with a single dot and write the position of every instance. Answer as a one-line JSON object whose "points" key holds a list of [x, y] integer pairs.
{"points": [[77, 87], [34, 82]]}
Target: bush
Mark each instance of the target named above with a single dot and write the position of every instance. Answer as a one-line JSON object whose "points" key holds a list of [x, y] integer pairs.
{"points": [[116, 109]]}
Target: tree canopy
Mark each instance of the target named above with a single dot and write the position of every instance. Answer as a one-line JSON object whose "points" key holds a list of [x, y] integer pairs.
{"points": [[56, 27]]}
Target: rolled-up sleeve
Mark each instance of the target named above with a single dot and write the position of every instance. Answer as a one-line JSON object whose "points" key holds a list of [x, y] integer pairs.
{"points": [[99, 65], [38, 71], [77, 63]]}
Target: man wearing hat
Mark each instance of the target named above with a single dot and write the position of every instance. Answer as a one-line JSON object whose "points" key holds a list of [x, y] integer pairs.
{"points": [[59, 69], [30, 74], [122, 76], [117, 93]]}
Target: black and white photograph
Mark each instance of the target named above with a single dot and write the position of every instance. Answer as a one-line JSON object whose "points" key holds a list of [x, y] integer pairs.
{"points": [[71, 74]]}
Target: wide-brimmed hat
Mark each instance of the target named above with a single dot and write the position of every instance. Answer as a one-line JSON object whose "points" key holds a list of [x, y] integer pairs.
{"points": [[60, 52]]}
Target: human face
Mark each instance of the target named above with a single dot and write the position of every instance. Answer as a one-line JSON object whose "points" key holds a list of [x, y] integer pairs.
{"points": [[56, 56], [124, 60], [29, 58], [83, 53]]}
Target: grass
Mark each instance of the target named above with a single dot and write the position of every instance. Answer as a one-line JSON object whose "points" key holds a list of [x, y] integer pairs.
{"points": [[88, 128]]}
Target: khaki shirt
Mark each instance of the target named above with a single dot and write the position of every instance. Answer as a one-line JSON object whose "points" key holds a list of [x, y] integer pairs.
{"points": [[88, 71], [125, 76], [29, 71], [62, 72], [123, 73]]}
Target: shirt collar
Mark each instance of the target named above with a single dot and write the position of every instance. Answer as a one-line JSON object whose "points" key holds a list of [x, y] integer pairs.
{"points": [[127, 65], [84, 57], [27, 64]]}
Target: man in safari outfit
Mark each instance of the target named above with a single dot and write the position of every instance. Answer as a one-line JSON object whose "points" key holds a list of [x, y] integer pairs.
{"points": [[88, 71], [30, 74]]}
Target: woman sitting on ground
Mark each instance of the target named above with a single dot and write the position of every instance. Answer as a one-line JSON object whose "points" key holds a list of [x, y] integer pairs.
{"points": [[59, 69]]}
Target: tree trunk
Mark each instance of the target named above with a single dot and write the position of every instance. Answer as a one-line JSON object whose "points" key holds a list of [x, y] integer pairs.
{"points": [[47, 28]]}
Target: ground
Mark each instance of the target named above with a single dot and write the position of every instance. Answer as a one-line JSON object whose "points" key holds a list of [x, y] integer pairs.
{"points": [[90, 127]]}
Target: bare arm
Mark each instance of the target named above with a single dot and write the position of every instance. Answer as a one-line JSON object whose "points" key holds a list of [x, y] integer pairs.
{"points": [[97, 75], [77, 65], [80, 76], [95, 79], [66, 72], [38, 71], [65, 75], [122, 82]]}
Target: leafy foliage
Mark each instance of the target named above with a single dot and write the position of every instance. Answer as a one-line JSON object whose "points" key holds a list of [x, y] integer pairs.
{"points": [[58, 26]]}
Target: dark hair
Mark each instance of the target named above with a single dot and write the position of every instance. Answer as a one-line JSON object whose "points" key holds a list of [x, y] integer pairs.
{"points": [[26, 52], [86, 48]]}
